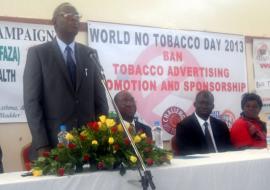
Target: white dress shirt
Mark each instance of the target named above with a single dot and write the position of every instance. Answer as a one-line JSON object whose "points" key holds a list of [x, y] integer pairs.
{"points": [[63, 46], [201, 122]]}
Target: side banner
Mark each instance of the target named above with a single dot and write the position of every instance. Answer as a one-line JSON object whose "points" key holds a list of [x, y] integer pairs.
{"points": [[261, 63], [15, 39], [164, 69]]}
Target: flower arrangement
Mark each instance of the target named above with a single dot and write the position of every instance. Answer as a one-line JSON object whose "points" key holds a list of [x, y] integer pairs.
{"points": [[100, 145]]}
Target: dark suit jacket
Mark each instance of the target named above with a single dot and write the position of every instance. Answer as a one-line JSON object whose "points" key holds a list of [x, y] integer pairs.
{"points": [[142, 127], [190, 138], [50, 98], [1, 164]]}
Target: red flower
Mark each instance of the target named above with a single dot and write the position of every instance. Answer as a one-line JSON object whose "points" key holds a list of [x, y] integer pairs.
{"points": [[100, 165], [93, 125], [46, 154], [147, 149], [114, 129], [61, 171], [86, 157], [116, 147], [71, 145], [82, 138], [60, 145], [149, 161], [126, 141], [130, 129], [28, 166], [56, 158], [149, 140]]}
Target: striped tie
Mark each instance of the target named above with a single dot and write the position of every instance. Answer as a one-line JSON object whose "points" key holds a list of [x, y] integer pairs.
{"points": [[71, 66], [208, 138]]}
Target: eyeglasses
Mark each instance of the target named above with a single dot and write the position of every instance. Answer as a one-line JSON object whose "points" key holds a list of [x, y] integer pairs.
{"points": [[70, 16]]}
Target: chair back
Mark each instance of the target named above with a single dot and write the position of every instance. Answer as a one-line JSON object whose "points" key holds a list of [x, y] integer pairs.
{"points": [[175, 148]]}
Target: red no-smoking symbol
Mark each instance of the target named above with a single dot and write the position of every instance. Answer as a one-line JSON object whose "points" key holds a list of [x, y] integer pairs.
{"points": [[148, 101]]}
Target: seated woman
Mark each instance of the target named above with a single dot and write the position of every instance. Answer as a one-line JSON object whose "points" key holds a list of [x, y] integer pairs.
{"points": [[249, 131]]}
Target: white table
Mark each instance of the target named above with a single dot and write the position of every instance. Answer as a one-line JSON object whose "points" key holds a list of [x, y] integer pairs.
{"points": [[242, 170]]}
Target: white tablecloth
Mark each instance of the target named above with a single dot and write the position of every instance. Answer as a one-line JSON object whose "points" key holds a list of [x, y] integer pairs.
{"points": [[242, 170]]}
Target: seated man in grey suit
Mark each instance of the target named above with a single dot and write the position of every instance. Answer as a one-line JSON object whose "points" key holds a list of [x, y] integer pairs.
{"points": [[1, 164], [61, 83], [201, 133], [127, 107]]}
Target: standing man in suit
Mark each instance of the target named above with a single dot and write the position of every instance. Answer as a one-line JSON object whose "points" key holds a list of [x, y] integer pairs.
{"points": [[201, 133], [62, 84], [127, 107], [1, 163]]}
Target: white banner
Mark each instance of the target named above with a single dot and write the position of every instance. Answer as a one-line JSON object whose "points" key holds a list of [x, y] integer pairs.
{"points": [[164, 69], [261, 63], [16, 38]]}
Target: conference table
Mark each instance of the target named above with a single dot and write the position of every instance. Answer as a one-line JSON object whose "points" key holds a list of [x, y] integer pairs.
{"points": [[247, 170]]}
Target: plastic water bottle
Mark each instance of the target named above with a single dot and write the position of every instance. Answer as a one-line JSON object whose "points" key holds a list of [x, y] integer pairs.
{"points": [[62, 135], [113, 115], [268, 135], [157, 134], [268, 142]]}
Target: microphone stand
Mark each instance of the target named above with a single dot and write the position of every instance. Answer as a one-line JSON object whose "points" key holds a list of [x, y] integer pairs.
{"points": [[146, 177]]}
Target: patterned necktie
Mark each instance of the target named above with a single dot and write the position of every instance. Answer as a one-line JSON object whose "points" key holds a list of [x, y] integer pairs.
{"points": [[71, 66], [208, 138]]}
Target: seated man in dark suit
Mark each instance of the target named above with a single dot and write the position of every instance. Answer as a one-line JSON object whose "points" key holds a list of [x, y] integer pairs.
{"points": [[1, 164], [201, 133], [127, 107]]}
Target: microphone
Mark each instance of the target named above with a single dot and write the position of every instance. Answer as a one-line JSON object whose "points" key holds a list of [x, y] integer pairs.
{"points": [[94, 57]]}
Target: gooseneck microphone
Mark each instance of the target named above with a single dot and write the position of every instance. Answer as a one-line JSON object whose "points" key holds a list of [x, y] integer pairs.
{"points": [[146, 176], [94, 57]]}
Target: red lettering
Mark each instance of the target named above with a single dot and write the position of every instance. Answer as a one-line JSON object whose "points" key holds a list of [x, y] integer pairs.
{"points": [[172, 56], [265, 65], [115, 66]]}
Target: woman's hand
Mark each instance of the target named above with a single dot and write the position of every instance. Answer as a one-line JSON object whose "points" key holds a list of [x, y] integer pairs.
{"points": [[254, 132]]}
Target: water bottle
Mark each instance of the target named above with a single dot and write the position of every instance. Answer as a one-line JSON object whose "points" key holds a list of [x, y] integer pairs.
{"points": [[268, 142], [157, 134], [62, 135], [268, 135], [113, 115]]}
